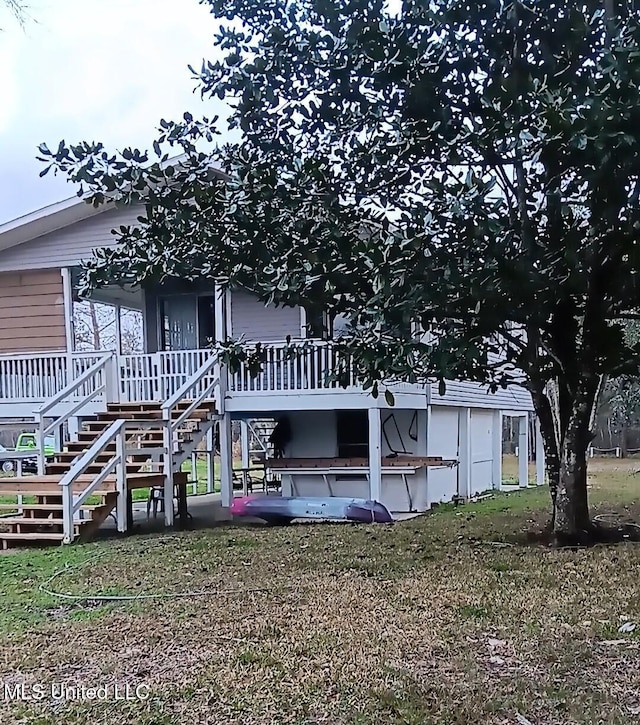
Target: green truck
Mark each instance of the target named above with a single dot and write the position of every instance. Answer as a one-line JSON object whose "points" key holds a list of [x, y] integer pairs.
{"points": [[28, 442]]}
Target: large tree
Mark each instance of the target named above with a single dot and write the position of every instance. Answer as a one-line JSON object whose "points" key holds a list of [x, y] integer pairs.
{"points": [[469, 166]]}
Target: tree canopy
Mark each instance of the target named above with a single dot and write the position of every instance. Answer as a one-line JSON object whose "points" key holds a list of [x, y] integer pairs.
{"points": [[472, 168]]}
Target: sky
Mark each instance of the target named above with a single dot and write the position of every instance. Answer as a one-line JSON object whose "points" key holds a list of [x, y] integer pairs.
{"points": [[92, 70]]}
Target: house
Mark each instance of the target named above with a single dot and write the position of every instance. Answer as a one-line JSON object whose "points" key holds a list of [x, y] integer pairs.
{"points": [[126, 420]]}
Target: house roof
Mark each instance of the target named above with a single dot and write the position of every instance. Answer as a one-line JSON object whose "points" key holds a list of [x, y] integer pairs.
{"points": [[61, 214], [45, 220]]}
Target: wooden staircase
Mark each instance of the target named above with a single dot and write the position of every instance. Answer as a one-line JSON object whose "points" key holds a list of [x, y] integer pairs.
{"points": [[39, 517]]}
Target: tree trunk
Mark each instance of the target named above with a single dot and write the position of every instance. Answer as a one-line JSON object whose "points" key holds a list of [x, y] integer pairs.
{"points": [[571, 522], [566, 452]]}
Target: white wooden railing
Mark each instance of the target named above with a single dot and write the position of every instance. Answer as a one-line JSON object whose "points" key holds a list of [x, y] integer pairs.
{"points": [[296, 366], [72, 501], [158, 375], [95, 382], [203, 385], [37, 376]]}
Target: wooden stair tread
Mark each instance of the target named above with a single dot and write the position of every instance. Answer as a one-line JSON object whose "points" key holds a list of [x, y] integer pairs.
{"points": [[51, 493], [157, 405], [31, 536], [50, 485], [39, 521], [45, 507]]}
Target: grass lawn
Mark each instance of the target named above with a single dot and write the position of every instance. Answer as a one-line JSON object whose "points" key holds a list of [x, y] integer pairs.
{"points": [[449, 618]]}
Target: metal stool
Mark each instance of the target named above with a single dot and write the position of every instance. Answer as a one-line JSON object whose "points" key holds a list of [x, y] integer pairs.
{"points": [[155, 500]]}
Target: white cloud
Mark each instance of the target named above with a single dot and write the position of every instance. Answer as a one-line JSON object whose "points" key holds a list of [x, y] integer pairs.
{"points": [[93, 70]]}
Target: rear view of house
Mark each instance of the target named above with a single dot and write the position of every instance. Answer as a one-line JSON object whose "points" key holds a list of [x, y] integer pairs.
{"points": [[126, 419]]}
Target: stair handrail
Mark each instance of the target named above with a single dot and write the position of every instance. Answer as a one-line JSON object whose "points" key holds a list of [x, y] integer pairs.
{"points": [[256, 436], [71, 387], [71, 503], [171, 426], [169, 405]]}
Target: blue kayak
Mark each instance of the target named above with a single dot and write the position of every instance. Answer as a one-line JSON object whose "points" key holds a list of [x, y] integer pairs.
{"points": [[283, 509]]}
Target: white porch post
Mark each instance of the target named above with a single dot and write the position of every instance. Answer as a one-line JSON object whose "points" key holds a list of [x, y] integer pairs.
{"points": [[496, 450], [226, 461], [118, 330], [422, 428], [375, 454], [523, 451], [464, 452], [167, 444], [227, 313], [244, 442], [220, 324], [67, 297], [73, 427], [210, 460], [194, 473], [423, 418], [540, 459], [220, 312], [112, 379]]}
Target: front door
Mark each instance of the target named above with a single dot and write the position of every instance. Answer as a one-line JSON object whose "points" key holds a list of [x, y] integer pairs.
{"points": [[188, 322], [179, 320]]}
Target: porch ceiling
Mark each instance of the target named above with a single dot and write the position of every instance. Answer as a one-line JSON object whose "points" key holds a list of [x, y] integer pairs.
{"points": [[131, 297], [128, 296]]}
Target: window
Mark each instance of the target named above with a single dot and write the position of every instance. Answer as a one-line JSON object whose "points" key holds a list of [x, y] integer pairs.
{"points": [[352, 430]]}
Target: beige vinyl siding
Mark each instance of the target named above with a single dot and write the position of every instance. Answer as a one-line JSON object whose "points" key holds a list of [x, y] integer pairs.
{"points": [[31, 312], [69, 246]]}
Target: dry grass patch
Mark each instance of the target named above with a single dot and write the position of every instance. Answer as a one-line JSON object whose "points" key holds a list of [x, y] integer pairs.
{"points": [[444, 619]]}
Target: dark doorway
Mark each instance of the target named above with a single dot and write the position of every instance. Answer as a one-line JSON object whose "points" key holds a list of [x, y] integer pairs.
{"points": [[352, 428]]}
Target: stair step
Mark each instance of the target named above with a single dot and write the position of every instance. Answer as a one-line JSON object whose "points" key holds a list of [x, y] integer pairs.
{"points": [[44, 507], [35, 536], [52, 493], [156, 405], [21, 520], [149, 415], [77, 447], [49, 486], [59, 469], [68, 458]]}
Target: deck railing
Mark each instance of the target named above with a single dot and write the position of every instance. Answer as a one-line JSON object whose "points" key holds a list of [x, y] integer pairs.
{"points": [[297, 366], [38, 376], [309, 366], [158, 375]]}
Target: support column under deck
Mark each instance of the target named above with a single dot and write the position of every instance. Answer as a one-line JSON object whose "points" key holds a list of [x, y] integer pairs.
{"points": [[226, 461], [244, 443], [523, 451], [211, 460], [496, 450], [464, 452], [540, 458], [375, 454]]}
